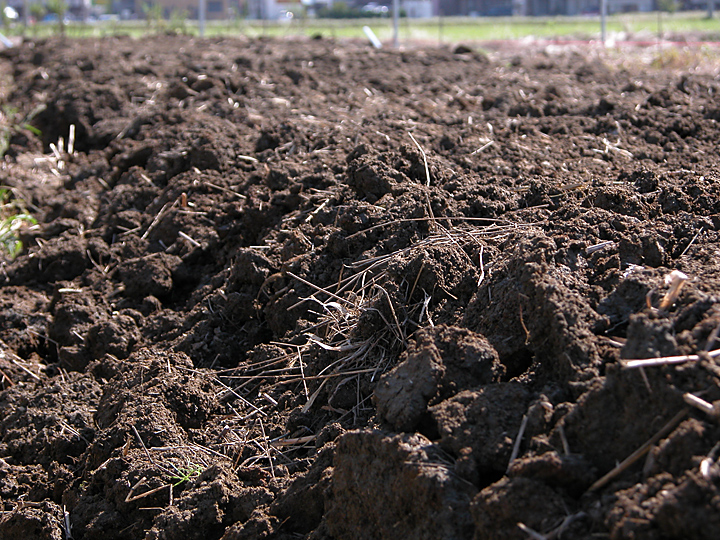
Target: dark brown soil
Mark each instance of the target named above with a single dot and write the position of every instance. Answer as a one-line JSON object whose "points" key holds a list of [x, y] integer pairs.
{"points": [[251, 309]]}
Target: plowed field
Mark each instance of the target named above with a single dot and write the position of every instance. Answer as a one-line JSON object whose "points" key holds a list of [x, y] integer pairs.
{"points": [[306, 289]]}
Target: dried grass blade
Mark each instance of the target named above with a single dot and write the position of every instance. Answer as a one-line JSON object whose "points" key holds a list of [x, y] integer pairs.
{"points": [[640, 452], [666, 360]]}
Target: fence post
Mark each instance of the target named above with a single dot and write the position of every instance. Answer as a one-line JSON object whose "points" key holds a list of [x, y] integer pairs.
{"points": [[396, 17], [201, 17]]}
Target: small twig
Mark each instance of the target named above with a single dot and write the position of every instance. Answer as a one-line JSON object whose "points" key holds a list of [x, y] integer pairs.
{"points": [[302, 374], [598, 247], [157, 218], [530, 532], [691, 242], [71, 140], [492, 221], [427, 170], [57, 154], [518, 440], [194, 448], [640, 452], [312, 214], [320, 289], [130, 499], [557, 532], [291, 378], [6, 378], [295, 441], [431, 215], [234, 393], [482, 267], [315, 394], [400, 334], [417, 278], [139, 438], [701, 404], [189, 239], [563, 440], [74, 431], [134, 487], [239, 195], [267, 450], [706, 465], [483, 148], [712, 337], [66, 514], [348, 346], [667, 360], [102, 270], [426, 310], [648, 300], [645, 380], [26, 370], [676, 279], [522, 323]]}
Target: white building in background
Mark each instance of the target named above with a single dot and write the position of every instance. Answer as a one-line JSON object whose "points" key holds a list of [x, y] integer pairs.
{"points": [[417, 9], [579, 7], [283, 9], [79, 5], [626, 6], [79, 8]]}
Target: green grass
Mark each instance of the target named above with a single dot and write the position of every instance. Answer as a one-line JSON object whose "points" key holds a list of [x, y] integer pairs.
{"points": [[450, 29], [9, 125], [185, 474], [13, 217]]}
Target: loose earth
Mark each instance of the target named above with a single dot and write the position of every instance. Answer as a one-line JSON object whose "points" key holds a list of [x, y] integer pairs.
{"points": [[303, 288]]}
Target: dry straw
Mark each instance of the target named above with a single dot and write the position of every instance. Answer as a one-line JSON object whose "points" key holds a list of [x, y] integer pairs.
{"points": [[361, 289]]}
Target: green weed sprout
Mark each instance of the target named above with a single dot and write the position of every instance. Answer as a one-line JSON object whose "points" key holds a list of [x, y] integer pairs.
{"points": [[10, 127], [12, 218], [185, 474]]}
